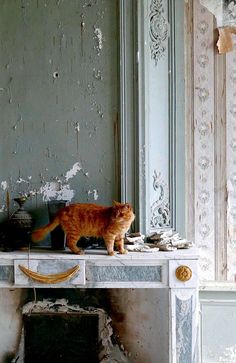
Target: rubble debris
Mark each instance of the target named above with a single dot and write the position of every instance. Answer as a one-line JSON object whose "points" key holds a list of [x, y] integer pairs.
{"points": [[133, 238], [162, 240], [168, 241], [135, 242]]}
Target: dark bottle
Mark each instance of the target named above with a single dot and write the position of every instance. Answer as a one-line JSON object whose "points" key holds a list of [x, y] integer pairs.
{"points": [[19, 226]]}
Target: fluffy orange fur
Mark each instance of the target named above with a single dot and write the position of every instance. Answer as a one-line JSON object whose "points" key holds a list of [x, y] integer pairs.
{"points": [[91, 220]]}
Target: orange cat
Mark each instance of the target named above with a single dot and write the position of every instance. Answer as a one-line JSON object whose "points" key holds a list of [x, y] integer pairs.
{"points": [[91, 220]]}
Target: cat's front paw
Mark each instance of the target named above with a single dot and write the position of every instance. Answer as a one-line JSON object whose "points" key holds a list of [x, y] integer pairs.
{"points": [[78, 251], [124, 252], [81, 252], [111, 253]]}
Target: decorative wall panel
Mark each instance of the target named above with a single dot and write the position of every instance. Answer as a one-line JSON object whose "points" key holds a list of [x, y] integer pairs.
{"points": [[204, 139], [231, 163], [158, 133], [162, 62]]}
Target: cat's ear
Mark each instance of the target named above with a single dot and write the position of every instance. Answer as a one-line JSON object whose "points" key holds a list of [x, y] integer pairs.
{"points": [[117, 204]]}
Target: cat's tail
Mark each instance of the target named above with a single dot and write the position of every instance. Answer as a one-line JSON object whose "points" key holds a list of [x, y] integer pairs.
{"points": [[40, 234]]}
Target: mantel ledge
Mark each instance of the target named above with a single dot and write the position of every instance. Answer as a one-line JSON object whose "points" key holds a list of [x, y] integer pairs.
{"points": [[46, 254], [217, 286]]}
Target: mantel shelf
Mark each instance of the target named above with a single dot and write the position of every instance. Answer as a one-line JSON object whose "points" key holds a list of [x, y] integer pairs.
{"points": [[97, 254]]}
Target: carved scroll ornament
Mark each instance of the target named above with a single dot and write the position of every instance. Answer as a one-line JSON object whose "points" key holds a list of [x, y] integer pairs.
{"points": [[159, 30]]}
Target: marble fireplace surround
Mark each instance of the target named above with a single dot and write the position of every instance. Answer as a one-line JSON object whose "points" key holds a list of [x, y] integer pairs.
{"points": [[153, 270]]}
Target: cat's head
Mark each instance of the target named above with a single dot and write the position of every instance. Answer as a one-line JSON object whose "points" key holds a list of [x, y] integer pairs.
{"points": [[123, 211]]}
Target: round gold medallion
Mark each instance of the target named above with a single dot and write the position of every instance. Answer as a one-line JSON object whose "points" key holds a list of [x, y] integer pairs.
{"points": [[183, 273]]}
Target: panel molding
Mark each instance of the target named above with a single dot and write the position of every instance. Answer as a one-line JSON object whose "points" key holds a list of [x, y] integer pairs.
{"points": [[157, 185], [220, 175], [189, 122], [127, 12]]}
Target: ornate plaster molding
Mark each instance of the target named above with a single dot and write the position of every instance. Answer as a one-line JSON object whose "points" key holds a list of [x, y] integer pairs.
{"points": [[160, 209], [159, 30]]}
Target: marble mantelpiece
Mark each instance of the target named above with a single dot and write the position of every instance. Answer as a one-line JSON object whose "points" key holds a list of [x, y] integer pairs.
{"points": [[97, 269], [134, 270]]}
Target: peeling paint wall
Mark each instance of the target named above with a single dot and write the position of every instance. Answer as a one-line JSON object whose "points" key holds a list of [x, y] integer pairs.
{"points": [[59, 101], [59, 104]]}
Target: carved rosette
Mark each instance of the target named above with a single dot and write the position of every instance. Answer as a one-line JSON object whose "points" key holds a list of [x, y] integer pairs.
{"points": [[159, 30], [160, 209], [183, 273]]}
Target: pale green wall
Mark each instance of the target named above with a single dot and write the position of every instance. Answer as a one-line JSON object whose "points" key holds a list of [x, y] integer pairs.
{"points": [[218, 326]]}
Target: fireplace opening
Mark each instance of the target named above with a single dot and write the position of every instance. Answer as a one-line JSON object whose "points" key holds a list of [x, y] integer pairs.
{"points": [[56, 331], [61, 337]]}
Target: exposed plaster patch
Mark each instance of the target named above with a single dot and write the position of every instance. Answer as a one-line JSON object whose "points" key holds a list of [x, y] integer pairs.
{"points": [[20, 180], [73, 171], [56, 191], [16, 124], [99, 39], [94, 192], [77, 127], [90, 3], [99, 111], [97, 74], [4, 185], [29, 194]]}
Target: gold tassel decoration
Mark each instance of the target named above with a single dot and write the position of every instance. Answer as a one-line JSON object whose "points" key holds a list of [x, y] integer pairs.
{"points": [[50, 279]]}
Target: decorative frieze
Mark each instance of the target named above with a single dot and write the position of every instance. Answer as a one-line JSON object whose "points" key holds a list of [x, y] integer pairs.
{"points": [[231, 163], [204, 139]]}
